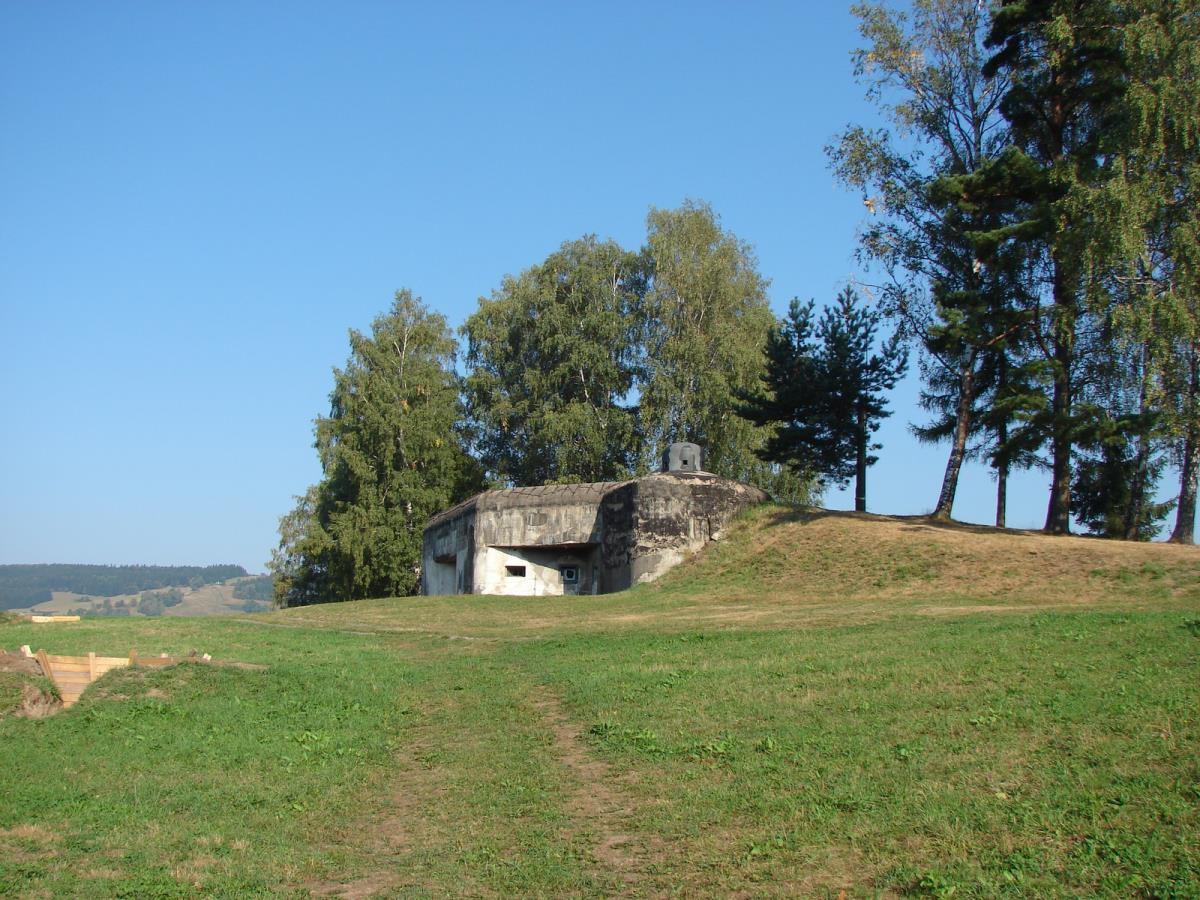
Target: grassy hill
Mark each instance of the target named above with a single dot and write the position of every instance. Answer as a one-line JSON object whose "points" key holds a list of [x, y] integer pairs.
{"points": [[821, 705]]}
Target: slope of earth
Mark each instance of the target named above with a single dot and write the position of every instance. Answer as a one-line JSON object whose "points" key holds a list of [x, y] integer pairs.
{"points": [[779, 568], [822, 705]]}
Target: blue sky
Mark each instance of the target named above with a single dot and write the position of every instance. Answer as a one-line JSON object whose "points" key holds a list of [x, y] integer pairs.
{"points": [[198, 200]]}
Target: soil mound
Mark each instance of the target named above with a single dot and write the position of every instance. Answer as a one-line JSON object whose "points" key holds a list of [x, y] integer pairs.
{"points": [[16, 662], [36, 700]]}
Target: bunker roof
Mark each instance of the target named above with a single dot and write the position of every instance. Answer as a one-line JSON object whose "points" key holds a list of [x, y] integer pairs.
{"points": [[590, 493]]}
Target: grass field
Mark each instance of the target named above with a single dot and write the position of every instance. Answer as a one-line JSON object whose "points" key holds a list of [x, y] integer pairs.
{"points": [[824, 705]]}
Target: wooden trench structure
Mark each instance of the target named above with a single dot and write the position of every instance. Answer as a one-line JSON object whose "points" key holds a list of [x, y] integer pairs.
{"points": [[73, 674]]}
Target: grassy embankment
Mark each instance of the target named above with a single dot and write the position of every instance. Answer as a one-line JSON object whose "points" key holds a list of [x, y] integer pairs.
{"points": [[818, 704]]}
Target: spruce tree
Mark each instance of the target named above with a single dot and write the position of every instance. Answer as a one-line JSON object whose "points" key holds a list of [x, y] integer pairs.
{"points": [[1118, 453]]}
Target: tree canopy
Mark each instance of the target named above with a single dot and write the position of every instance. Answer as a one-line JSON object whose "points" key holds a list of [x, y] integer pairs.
{"points": [[924, 69], [1032, 204], [391, 456], [823, 391], [552, 358], [1031, 208], [705, 323]]}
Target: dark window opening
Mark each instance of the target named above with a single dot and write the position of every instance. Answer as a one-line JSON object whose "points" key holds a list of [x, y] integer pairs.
{"points": [[515, 571], [570, 574]]}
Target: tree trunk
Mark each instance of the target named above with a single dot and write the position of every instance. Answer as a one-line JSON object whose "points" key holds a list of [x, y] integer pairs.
{"points": [[1001, 458], [1001, 494], [1132, 526], [1141, 470], [1189, 470], [1185, 512], [860, 465], [1058, 513], [958, 449]]}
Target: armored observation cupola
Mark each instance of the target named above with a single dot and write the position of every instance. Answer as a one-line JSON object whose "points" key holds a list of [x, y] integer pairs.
{"points": [[682, 456]]}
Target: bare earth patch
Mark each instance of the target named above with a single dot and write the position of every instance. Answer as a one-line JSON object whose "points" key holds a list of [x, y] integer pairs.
{"points": [[371, 886], [37, 702], [15, 662], [28, 842]]}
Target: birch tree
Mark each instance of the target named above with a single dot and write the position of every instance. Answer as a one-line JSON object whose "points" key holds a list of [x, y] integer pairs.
{"points": [[705, 321], [553, 356], [924, 70], [391, 456]]}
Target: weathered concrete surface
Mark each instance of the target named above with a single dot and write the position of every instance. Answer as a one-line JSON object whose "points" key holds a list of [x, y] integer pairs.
{"points": [[683, 456], [577, 539], [676, 514]]}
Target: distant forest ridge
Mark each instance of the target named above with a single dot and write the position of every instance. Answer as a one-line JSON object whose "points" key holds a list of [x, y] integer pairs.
{"points": [[26, 585]]}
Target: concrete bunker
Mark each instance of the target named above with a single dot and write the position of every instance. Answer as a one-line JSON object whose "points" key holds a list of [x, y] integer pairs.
{"points": [[593, 538]]}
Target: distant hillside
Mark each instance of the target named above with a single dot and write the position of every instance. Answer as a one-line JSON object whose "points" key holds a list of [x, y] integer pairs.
{"points": [[227, 598], [22, 586]]}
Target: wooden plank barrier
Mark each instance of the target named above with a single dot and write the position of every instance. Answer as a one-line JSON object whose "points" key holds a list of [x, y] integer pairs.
{"points": [[72, 674]]}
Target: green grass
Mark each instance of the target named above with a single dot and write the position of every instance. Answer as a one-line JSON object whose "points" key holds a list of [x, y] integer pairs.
{"points": [[670, 741]]}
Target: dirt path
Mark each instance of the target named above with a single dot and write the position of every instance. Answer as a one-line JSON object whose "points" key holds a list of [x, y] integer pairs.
{"points": [[599, 804], [597, 800], [395, 827]]}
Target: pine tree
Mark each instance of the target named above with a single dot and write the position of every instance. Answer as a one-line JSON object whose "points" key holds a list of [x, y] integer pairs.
{"points": [[823, 391], [1065, 72], [996, 435], [923, 68], [794, 400]]}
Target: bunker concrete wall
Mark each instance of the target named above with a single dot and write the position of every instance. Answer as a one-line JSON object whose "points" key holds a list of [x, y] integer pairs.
{"points": [[617, 535], [447, 557], [575, 523], [541, 571], [667, 517]]}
